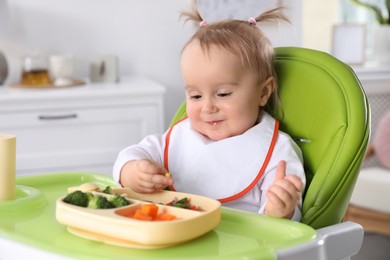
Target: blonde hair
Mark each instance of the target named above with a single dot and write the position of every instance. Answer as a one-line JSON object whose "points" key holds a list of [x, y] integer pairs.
{"points": [[244, 39]]}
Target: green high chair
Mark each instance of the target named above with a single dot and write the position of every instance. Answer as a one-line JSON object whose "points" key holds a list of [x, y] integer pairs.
{"points": [[327, 112]]}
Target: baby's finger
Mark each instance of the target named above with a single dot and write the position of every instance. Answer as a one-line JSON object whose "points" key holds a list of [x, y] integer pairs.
{"points": [[280, 171], [147, 187], [275, 200], [296, 181], [163, 180], [284, 192], [149, 167]]}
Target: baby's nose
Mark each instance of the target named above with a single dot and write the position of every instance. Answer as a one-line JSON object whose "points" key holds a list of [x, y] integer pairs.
{"points": [[209, 106]]}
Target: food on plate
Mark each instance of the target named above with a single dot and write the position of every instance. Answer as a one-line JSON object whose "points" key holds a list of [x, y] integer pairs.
{"points": [[77, 198], [118, 201], [95, 201], [98, 202], [184, 203], [166, 217], [149, 212], [108, 190]]}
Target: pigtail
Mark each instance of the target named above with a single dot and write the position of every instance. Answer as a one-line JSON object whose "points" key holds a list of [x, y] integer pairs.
{"points": [[193, 14], [271, 15], [273, 106]]}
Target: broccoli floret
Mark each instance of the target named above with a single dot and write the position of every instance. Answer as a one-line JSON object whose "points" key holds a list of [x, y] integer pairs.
{"points": [[107, 190], [119, 201], [100, 202], [89, 200], [77, 198]]}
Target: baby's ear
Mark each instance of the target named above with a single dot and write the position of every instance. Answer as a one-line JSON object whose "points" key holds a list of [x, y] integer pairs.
{"points": [[267, 90]]}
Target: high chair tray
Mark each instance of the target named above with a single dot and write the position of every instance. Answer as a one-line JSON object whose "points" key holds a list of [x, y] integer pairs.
{"points": [[33, 225]]}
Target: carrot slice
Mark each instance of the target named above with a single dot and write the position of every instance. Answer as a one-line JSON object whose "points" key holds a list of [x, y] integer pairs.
{"points": [[150, 210], [165, 217], [138, 214]]}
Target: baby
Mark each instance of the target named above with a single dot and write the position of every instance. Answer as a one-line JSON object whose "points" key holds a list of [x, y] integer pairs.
{"points": [[229, 147]]}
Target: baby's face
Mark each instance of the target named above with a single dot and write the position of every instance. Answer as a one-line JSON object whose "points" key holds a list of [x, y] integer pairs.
{"points": [[223, 99]]}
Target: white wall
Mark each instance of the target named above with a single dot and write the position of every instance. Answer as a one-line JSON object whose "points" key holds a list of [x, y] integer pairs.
{"points": [[146, 35], [317, 22]]}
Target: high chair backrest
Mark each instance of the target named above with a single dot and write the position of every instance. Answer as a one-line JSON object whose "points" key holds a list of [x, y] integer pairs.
{"points": [[327, 112]]}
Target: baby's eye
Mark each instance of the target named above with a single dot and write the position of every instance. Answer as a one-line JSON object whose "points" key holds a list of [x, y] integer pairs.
{"points": [[195, 96], [224, 94]]}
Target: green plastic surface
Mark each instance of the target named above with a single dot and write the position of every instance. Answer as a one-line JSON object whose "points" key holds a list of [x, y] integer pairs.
{"points": [[240, 235]]}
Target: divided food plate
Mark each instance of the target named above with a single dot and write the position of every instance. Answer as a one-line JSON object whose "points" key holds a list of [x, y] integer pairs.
{"points": [[117, 227]]}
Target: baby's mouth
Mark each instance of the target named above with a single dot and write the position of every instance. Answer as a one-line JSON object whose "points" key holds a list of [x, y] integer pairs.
{"points": [[214, 123]]}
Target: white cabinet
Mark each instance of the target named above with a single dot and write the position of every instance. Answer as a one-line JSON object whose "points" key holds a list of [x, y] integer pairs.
{"points": [[375, 78], [79, 128]]}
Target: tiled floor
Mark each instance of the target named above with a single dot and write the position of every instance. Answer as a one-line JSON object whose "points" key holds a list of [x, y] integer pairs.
{"points": [[375, 247]]}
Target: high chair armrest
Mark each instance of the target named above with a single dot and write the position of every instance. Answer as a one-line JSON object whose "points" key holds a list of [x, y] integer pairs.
{"points": [[339, 241]]}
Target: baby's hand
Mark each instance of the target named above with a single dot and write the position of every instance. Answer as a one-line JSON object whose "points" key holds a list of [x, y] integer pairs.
{"points": [[284, 194], [144, 176]]}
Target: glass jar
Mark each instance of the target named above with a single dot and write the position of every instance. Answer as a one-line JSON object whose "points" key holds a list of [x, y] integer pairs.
{"points": [[35, 71]]}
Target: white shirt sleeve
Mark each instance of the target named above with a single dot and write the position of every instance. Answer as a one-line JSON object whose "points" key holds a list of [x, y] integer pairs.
{"points": [[151, 147], [289, 151]]}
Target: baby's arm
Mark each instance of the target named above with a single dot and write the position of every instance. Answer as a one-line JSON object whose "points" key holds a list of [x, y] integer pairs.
{"points": [[144, 176], [284, 194]]}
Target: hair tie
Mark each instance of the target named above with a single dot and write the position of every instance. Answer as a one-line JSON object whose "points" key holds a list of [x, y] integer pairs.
{"points": [[252, 21], [203, 23]]}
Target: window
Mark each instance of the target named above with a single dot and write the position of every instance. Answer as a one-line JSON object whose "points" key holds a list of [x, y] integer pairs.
{"points": [[352, 13], [320, 16]]}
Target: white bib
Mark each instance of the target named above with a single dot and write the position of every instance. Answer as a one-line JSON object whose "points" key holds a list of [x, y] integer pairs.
{"points": [[219, 169]]}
